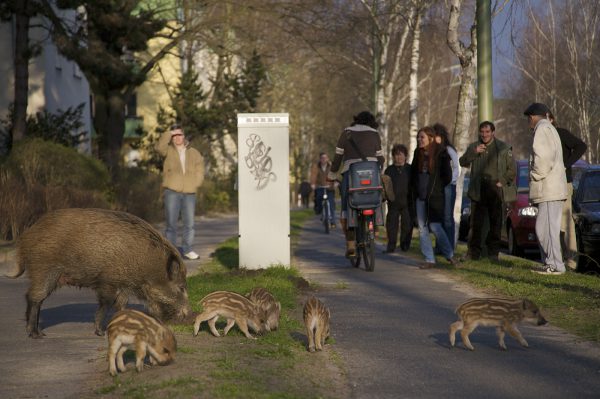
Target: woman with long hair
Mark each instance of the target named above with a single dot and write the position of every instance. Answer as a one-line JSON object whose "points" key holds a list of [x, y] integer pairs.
{"points": [[430, 174]]}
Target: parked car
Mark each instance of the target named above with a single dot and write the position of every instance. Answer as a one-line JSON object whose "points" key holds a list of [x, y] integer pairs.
{"points": [[518, 230], [586, 211], [519, 225]]}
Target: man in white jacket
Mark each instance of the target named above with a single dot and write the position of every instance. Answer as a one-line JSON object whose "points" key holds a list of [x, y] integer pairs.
{"points": [[547, 186]]}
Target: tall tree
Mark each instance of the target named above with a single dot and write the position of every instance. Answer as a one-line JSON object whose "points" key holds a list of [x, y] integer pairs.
{"points": [[22, 11], [108, 41], [557, 56]]}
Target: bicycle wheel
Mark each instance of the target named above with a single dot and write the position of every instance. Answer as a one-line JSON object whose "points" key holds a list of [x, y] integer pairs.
{"points": [[368, 244], [326, 216], [355, 260]]}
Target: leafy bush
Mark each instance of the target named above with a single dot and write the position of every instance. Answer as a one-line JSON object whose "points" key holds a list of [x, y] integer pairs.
{"points": [[217, 195], [39, 176], [137, 191], [36, 161], [62, 127]]}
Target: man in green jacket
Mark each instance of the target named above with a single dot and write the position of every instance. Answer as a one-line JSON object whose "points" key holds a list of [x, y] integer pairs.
{"points": [[183, 174], [492, 167]]}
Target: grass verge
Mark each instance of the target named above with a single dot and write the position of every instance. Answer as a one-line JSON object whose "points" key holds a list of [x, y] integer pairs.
{"points": [[276, 365], [570, 301]]}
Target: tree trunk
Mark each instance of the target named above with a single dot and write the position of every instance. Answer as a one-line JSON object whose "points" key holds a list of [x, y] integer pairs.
{"points": [[413, 101], [109, 122], [21, 64], [464, 109]]}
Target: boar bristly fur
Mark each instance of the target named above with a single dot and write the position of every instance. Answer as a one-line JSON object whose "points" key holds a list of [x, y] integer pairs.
{"points": [[316, 320], [235, 308], [135, 330], [114, 253], [266, 301], [502, 313]]}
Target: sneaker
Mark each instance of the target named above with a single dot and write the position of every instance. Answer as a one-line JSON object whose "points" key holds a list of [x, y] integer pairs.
{"points": [[427, 265], [191, 255], [332, 226], [548, 270]]}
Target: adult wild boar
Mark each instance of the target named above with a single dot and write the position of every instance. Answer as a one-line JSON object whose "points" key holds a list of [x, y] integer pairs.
{"points": [[114, 253]]}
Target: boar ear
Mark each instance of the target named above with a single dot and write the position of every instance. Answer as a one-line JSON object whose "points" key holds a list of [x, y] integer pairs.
{"points": [[175, 268]]}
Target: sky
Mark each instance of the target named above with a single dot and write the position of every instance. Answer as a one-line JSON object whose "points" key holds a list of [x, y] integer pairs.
{"points": [[502, 48]]}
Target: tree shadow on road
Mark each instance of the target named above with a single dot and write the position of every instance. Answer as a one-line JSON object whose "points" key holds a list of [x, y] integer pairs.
{"points": [[75, 313]]}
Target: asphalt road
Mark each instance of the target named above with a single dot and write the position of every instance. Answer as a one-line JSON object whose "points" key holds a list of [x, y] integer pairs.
{"points": [[389, 328]]}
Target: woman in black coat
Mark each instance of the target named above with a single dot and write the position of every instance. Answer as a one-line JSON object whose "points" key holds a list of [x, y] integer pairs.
{"points": [[430, 173]]}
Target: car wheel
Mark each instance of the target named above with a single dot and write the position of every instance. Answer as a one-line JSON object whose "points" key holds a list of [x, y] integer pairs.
{"points": [[582, 259], [463, 231], [513, 246]]}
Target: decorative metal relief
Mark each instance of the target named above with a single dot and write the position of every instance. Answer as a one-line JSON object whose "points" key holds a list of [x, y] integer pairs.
{"points": [[259, 162]]}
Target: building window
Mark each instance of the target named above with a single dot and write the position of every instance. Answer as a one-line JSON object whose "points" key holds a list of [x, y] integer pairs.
{"points": [[131, 106]]}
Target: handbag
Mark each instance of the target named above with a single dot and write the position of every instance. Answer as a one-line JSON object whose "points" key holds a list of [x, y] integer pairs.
{"points": [[388, 188]]}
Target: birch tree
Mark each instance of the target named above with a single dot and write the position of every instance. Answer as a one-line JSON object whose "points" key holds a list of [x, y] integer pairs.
{"points": [[391, 25], [415, 59], [581, 29], [557, 57], [467, 56]]}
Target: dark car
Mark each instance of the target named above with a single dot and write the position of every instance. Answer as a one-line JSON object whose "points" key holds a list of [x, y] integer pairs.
{"points": [[586, 212]]}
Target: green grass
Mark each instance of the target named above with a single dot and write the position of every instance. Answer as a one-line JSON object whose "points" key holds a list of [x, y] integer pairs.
{"points": [[570, 301], [269, 367], [297, 220]]}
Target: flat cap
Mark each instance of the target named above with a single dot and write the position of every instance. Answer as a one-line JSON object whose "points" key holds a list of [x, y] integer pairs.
{"points": [[537, 109]]}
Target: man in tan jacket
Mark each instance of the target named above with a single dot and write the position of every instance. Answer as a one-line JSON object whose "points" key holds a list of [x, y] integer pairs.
{"points": [[547, 186], [183, 173]]}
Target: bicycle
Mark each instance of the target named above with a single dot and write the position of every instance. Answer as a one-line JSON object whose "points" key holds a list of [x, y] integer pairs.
{"points": [[364, 205], [326, 216], [365, 239]]}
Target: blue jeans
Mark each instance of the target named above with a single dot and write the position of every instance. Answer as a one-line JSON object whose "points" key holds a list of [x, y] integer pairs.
{"points": [[449, 201], [319, 201], [425, 241], [176, 204]]}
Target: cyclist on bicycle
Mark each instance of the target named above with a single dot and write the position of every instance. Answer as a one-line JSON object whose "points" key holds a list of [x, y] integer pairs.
{"points": [[320, 185], [363, 133]]}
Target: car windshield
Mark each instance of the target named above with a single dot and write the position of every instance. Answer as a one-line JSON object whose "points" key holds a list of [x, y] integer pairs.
{"points": [[591, 191], [523, 179]]}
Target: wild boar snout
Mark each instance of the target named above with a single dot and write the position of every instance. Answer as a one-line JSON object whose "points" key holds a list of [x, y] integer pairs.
{"points": [[541, 321]]}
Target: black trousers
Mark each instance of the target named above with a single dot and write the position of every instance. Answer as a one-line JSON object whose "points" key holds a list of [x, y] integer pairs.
{"points": [[394, 216], [490, 205]]}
